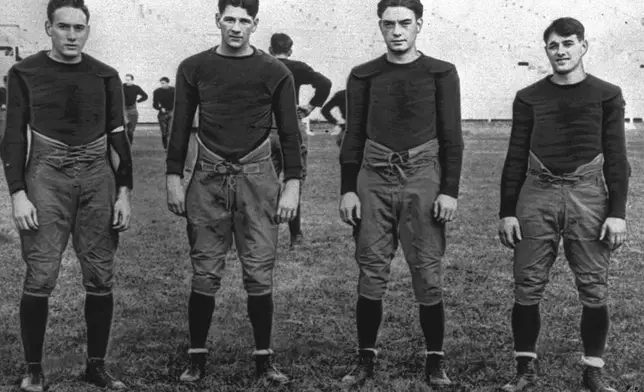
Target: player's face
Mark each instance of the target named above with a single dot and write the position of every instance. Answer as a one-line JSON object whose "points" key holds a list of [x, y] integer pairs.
{"points": [[236, 27], [565, 53], [399, 28], [164, 84], [128, 79], [68, 30]]}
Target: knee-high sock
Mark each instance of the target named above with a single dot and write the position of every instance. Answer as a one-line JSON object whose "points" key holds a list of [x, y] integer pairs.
{"points": [[98, 316], [526, 324], [200, 309], [260, 312], [594, 330], [432, 321], [33, 322], [295, 226], [369, 317]]}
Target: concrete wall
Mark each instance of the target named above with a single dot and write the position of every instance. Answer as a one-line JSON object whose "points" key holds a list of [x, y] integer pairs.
{"points": [[485, 39]]}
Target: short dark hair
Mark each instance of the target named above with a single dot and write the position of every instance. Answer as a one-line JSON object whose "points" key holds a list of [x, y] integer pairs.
{"points": [[414, 5], [565, 27], [130, 75], [251, 6], [281, 43], [56, 4], [164, 79]]}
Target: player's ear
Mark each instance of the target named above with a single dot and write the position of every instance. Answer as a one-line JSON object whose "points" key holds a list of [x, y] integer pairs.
{"points": [[218, 20], [48, 27], [419, 25], [584, 45], [255, 23]]}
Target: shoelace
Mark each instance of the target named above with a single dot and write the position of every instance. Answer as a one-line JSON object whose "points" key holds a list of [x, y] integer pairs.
{"points": [[597, 377], [104, 373]]}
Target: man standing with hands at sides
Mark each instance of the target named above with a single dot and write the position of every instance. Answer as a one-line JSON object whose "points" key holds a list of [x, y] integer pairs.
{"points": [[133, 94], [565, 175], [338, 100], [234, 192], [163, 101], [303, 74], [400, 166], [73, 106]]}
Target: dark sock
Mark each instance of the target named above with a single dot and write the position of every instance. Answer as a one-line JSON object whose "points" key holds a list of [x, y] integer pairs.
{"points": [[369, 317], [526, 323], [260, 312], [200, 309], [594, 330], [432, 321], [33, 322], [98, 316], [294, 226]]}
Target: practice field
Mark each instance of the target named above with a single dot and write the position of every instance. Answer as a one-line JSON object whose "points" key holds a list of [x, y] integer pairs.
{"points": [[315, 291]]}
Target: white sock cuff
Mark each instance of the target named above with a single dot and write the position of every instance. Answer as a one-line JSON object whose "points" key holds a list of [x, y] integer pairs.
{"points": [[528, 354], [263, 352], [198, 351], [375, 352], [592, 361], [441, 353]]}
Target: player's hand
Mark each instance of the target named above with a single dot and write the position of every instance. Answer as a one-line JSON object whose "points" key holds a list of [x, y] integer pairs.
{"points": [[25, 215], [350, 208], [176, 195], [122, 210], [304, 111], [290, 199], [162, 110], [509, 231], [445, 208], [3, 107], [613, 230]]}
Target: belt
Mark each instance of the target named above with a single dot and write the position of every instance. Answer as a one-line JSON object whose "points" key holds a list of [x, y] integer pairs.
{"points": [[225, 167]]}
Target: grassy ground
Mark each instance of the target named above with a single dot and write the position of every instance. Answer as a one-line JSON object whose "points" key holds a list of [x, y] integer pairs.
{"points": [[315, 292]]}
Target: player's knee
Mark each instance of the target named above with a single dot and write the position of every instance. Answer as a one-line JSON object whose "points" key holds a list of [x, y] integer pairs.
{"points": [[372, 289], [39, 288], [428, 296], [593, 295], [529, 294], [206, 285], [257, 289]]}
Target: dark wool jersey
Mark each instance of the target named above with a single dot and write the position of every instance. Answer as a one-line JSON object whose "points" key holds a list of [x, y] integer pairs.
{"points": [[72, 103], [163, 98], [305, 75], [130, 92], [566, 126], [339, 99], [236, 97], [402, 106], [3, 96]]}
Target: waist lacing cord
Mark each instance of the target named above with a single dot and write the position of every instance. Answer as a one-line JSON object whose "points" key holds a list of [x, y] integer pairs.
{"points": [[75, 155], [557, 180], [228, 170], [398, 161], [395, 163]]}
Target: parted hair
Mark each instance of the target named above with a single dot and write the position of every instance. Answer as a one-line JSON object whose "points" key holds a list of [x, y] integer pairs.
{"points": [[565, 27], [251, 6], [56, 4], [414, 5]]}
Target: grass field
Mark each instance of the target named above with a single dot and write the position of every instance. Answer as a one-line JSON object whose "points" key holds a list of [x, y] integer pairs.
{"points": [[315, 292]]}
